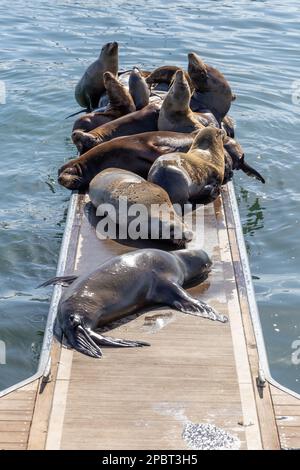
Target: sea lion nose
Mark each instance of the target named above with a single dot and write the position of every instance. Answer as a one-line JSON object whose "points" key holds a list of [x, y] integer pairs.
{"points": [[188, 235]]}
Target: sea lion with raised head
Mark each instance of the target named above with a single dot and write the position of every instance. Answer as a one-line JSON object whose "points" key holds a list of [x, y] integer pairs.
{"points": [[135, 153], [114, 183], [120, 103], [212, 90], [195, 175], [175, 114], [144, 120], [126, 284], [91, 86], [138, 89]]}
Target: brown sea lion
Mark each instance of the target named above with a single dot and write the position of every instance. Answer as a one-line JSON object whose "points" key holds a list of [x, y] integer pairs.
{"points": [[165, 74], [144, 120], [195, 175], [175, 114], [212, 90], [120, 103], [153, 203], [132, 281], [138, 89], [134, 153], [91, 86]]}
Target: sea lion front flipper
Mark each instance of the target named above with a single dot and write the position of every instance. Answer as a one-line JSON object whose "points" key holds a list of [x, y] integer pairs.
{"points": [[63, 280], [117, 342], [175, 296]]}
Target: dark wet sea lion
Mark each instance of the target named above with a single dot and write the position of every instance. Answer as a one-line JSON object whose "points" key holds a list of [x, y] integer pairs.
{"points": [[144, 120], [195, 175], [175, 114], [120, 103], [138, 89], [212, 90], [134, 153], [91, 86], [126, 284], [114, 183]]}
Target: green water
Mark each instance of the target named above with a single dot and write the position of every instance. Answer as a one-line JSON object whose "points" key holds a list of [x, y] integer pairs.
{"points": [[44, 50]]}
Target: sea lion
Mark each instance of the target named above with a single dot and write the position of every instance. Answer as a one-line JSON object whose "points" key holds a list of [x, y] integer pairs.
{"points": [[120, 103], [212, 90], [138, 89], [165, 74], [175, 114], [114, 183], [91, 86], [126, 284], [134, 153], [144, 120], [195, 175]]}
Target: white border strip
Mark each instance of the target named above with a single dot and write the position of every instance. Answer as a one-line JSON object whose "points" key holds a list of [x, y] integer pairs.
{"points": [[262, 353], [57, 290]]}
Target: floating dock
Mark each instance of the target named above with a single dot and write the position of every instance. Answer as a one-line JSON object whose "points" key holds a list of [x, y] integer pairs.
{"points": [[196, 371]]}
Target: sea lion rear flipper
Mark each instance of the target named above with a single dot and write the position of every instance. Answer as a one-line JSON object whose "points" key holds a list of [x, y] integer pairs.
{"points": [[174, 295], [77, 112], [63, 280], [250, 171], [117, 342]]}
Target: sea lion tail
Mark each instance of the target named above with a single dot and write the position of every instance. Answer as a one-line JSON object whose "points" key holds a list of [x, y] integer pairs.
{"points": [[251, 171], [63, 280], [86, 110]]}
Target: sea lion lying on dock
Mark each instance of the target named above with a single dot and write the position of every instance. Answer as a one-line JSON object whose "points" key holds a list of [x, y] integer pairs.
{"points": [[126, 284], [134, 153], [114, 183], [144, 120]]}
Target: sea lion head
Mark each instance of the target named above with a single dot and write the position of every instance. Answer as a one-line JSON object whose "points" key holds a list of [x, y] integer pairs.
{"points": [[196, 264], [71, 176], [179, 95], [198, 72], [109, 49], [209, 138], [83, 141]]}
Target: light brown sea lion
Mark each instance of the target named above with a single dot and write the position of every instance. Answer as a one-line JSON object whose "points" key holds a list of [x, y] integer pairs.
{"points": [[91, 86], [113, 184], [195, 175], [132, 281], [138, 89], [144, 120], [175, 114], [134, 153], [120, 103], [212, 90]]}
